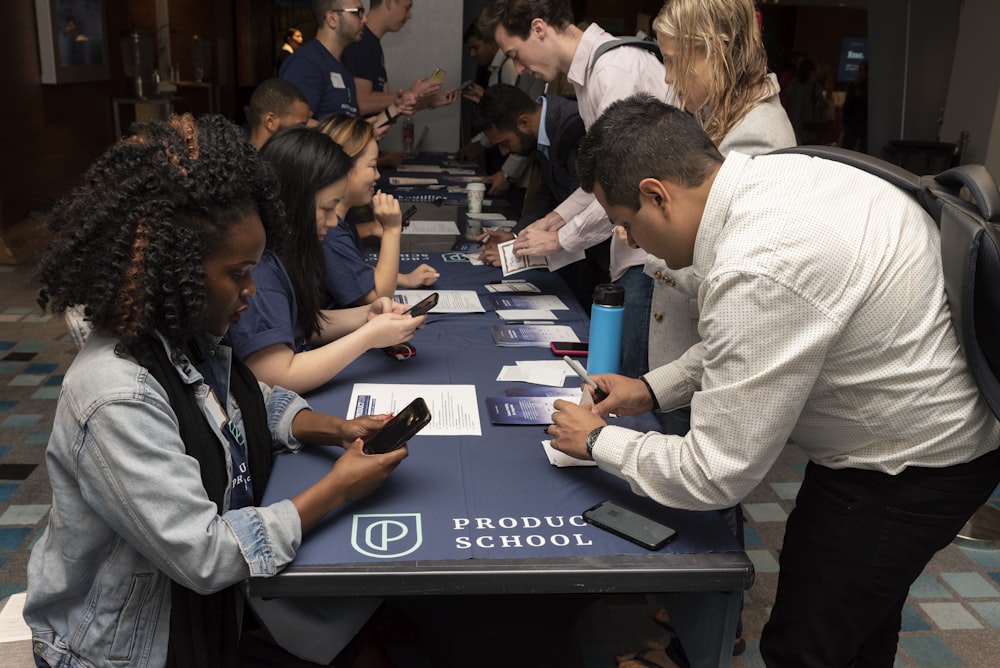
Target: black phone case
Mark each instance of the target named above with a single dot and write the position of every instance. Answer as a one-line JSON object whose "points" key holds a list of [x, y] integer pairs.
{"points": [[588, 517], [390, 437], [424, 305]]}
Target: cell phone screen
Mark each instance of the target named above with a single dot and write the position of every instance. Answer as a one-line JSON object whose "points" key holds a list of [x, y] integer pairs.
{"points": [[400, 428], [630, 525]]}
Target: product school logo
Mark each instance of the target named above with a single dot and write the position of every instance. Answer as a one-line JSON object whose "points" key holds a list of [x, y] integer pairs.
{"points": [[387, 536]]}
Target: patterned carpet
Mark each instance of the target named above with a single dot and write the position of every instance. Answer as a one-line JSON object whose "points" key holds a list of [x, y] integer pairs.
{"points": [[952, 617]]}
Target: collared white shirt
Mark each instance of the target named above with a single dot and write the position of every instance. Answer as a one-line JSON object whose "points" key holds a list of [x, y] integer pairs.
{"points": [[616, 75], [824, 321]]}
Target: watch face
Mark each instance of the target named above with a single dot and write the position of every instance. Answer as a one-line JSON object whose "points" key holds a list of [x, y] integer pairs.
{"points": [[592, 439]]}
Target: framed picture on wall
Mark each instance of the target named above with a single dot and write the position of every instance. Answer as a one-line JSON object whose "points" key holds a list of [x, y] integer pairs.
{"points": [[72, 40]]}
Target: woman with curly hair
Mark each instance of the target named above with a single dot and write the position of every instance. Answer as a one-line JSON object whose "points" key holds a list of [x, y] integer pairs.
{"points": [[162, 441], [286, 337], [714, 57], [349, 281]]}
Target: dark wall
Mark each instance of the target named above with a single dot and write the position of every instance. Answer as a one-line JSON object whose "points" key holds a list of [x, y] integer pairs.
{"points": [[52, 132]]}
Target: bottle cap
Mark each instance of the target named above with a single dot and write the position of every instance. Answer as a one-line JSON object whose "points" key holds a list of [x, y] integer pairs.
{"points": [[609, 294]]}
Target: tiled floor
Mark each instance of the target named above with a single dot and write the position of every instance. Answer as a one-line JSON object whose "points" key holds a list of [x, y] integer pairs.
{"points": [[952, 617]]}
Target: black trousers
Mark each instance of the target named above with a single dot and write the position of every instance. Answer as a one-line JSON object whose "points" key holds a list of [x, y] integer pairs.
{"points": [[854, 544]]}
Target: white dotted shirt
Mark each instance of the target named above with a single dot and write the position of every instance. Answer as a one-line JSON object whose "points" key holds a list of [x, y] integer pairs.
{"points": [[824, 321]]}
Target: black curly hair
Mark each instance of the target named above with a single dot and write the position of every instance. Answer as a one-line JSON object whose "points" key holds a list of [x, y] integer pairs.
{"points": [[131, 242]]}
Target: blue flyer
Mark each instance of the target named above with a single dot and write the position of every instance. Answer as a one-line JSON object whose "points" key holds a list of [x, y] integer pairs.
{"points": [[520, 410]]}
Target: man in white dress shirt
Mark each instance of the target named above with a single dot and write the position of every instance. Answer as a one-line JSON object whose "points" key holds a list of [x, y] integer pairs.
{"points": [[823, 320], [540, 38]]}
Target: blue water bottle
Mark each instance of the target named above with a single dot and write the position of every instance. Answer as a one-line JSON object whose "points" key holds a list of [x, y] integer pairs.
{"points": [[606, 316]]}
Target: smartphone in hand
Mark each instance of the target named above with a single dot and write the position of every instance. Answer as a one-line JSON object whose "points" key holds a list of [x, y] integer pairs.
{"points": [[408, 214], [424, 305], [437, 77], [399, 429]]}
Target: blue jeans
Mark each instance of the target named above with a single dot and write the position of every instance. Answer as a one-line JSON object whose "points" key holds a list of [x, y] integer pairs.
{"points": [[635, 328]]}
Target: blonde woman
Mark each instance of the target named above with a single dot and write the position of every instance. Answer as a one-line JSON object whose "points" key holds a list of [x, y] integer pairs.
{"points": [[348, 280]]}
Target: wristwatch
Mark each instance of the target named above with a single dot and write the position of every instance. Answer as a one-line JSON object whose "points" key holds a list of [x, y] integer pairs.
{"points": [[389, 117], [592, 440]]}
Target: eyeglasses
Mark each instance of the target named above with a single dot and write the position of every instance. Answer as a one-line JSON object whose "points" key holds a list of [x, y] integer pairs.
{"points": [[360, 11]]}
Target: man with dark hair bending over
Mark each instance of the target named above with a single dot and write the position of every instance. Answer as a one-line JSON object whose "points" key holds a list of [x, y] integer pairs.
{"points": [[541, 39], [823, 321], [550, 129]]}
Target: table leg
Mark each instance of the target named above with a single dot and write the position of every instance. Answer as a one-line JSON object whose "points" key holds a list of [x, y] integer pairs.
{"points": [[706, 624]]}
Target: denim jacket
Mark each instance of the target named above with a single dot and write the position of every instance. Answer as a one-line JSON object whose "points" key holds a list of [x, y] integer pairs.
{"points": [[129, 513]]}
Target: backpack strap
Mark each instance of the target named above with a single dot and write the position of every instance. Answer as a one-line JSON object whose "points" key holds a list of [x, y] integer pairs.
{"points": [[638, 42], [970, 251]]}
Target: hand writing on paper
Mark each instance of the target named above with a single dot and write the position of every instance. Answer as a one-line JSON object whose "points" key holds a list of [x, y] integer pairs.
{"points": [[571, 424], [489, 239]]}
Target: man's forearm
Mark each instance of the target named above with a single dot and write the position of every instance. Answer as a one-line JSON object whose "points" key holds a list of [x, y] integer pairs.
{"points": [[372, 102]]}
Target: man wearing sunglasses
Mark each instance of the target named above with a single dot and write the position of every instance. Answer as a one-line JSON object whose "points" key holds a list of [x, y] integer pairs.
{"points": [[316, 68]]}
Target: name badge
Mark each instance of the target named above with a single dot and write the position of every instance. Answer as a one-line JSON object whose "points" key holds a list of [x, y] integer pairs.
{"points": [[336, 80], [215, 410]]}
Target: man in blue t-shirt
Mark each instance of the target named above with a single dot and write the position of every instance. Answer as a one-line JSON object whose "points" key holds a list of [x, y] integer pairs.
{"points": [[366, 61], [316, 69]]}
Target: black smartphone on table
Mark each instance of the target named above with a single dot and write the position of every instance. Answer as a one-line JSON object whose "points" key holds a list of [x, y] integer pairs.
{"points": [[629, 524], [571, 348], [424, 305], [399, 429]]}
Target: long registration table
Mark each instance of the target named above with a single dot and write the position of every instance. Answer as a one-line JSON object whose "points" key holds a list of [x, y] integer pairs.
{"points": [[489, 515]]}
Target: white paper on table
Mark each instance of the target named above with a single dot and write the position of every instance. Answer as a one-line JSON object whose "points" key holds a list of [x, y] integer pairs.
{"points": [[512, 286], [561, 459], [560, 259], [485, 215], [474, 260], [412, 181], [512, 264], [454, 408], [449, 301], [432, 227], [548, 365], [535, 376], [12, 626], [526, 314]]}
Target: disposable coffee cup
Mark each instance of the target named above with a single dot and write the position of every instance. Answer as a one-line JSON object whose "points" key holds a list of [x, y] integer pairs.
{"points": [[474, 193]]}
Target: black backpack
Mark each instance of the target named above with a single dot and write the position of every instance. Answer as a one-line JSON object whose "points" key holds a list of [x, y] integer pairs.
{"points": [[970, 251], [637, 42]]}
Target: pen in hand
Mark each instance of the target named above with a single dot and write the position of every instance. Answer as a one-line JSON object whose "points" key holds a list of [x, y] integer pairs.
{"points": [[582, 373]]}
